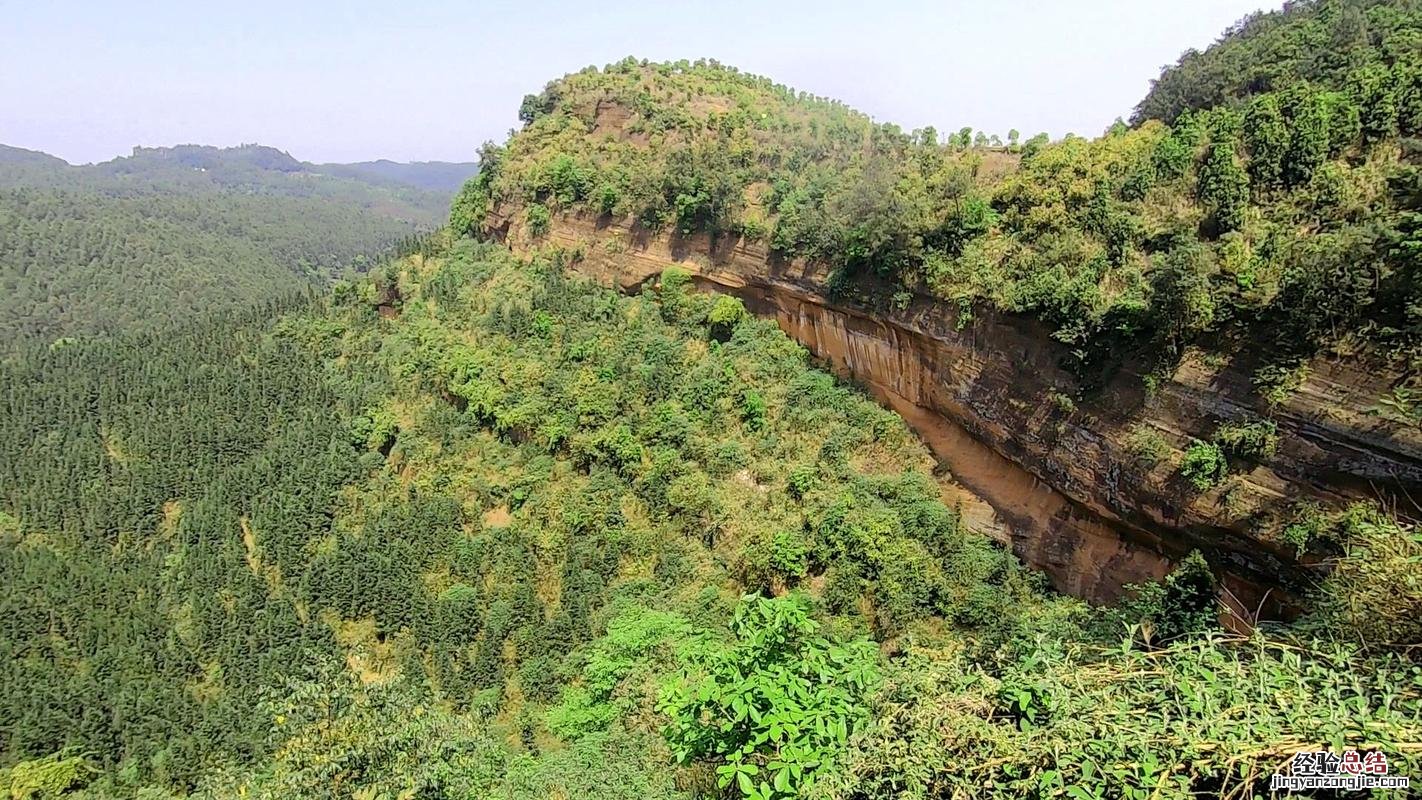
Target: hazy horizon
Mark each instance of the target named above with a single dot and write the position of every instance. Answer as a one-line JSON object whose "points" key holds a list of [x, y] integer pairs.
{"points": [[430, 81]]}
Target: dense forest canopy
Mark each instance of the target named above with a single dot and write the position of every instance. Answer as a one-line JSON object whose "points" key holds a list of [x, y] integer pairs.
{"points": [[170, 232], [1354, 45], [434, 175], [471, 526]]}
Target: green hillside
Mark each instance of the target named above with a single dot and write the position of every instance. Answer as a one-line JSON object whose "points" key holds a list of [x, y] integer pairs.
{"points": [[492, 537], [1368, 48], [168, 233], [468, 525]]}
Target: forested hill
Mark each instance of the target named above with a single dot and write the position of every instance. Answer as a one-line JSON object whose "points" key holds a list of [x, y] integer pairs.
{"points": [[418, 191], [1285, 223], [166, 233], [434, 175], [12, 157], [1368, 48]]}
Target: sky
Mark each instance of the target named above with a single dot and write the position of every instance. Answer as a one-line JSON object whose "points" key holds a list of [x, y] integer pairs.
{"points": [[351, 80]]}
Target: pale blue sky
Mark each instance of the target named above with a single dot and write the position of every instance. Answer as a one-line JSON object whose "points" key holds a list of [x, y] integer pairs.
{"points": [[421, 79]]}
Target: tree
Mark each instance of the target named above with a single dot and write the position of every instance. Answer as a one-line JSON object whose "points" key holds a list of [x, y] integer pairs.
{"points": [[1309, 141], [1183, 303], [1036, 143], [1223, 185], [537, 105], [1266, 138], [1377, 103]]}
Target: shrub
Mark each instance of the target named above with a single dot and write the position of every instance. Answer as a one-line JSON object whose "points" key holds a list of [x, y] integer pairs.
{"points": [[1146, 445], [1373, 596], [1307, 524], [694, 501], [844, 586], [638, 640], [674, 294], [45, 778], [569, 181], [802, 479], [753, 409], [615, 446], [907, 587], [726, 457], [1256, 441], [773, 707], [607, 198], [1185, 603], [537, 219], [1204, 465], [726, 313], [979, 607], [1062, 402], [1276, 382], [776, 560]]}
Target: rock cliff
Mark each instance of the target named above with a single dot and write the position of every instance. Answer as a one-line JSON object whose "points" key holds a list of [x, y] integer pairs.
{"points": [[1057, 480]]}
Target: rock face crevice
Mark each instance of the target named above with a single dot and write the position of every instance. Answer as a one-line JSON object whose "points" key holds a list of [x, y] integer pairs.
{"points": [[1061, 484]]}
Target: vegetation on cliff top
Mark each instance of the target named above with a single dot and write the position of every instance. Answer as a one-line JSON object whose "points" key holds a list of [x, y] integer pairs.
{"points": [[1277, 208]]}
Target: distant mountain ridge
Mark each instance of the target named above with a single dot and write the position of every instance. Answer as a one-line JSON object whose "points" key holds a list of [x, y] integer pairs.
{"points": [[19, 165], [167, 233], [445, 176], [19, 155]]}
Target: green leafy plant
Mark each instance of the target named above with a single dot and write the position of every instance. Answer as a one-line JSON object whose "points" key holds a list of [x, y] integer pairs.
{"points": [[538, 219], [773, 707], [802, 478], [1403, 404], [1277, 382], [1307, 524], [726, 313], [1062, 402], [1204, 465], [1255, 441], [1146, 445], [1186, 603]]}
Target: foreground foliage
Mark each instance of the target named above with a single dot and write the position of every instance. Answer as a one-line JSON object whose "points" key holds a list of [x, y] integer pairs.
{"points": [[775, 709]]}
